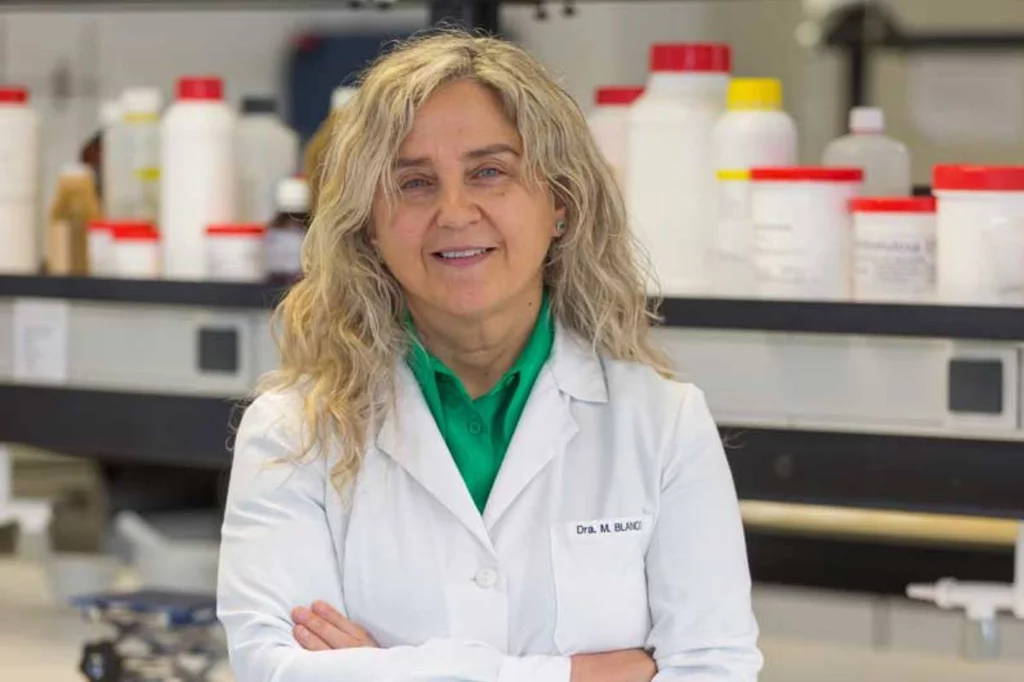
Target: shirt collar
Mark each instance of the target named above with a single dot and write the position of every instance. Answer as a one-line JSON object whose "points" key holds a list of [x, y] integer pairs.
{"points": [[427, 368]]}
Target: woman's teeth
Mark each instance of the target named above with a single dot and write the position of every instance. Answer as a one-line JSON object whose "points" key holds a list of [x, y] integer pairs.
{"points": [[467, 253]]}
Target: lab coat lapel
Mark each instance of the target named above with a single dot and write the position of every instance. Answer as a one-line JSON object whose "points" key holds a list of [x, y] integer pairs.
{"points": [[573, 372], [410, 436]]}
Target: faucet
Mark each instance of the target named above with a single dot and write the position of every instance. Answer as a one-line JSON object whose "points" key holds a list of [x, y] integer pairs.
{"points": [[982, 602]]}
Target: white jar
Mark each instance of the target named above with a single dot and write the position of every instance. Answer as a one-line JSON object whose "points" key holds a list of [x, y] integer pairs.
{"points": [[234, 252], [198, 181], [802, 231], [609, 123], [19, 183], [670, 183], [268, 150], [893, 248], [101, 249], [980, 232], [136, 250]]}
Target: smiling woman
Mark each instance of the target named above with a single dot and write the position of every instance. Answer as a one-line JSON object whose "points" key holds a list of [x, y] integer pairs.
{"points": [[472, 463]]}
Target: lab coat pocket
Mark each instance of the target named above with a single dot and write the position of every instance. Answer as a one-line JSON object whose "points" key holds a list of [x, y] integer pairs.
{"points": [[600, 584]]}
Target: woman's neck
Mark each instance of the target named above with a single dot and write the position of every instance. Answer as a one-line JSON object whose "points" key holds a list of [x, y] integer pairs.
{"points": [[479, 351]]}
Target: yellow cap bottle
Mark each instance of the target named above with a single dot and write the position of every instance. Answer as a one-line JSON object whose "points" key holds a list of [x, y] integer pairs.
{"points": [[757, 94]]}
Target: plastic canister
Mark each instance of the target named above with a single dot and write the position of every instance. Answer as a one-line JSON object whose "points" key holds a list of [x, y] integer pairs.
{"points": [[893, 248], [754, 132], [101, 249], [234, 252], [19, 183], [609, 123], [802, 230], [980, 233], [268, 150], [141, 117], [198, 174], [670, 185], [136, 250], [734, 236]]}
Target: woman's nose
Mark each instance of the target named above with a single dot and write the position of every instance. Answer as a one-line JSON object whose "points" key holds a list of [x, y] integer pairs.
{"points": [[457, 208]]}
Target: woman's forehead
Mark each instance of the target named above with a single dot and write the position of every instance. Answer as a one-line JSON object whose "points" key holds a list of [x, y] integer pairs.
{"points": [[460, 117]]}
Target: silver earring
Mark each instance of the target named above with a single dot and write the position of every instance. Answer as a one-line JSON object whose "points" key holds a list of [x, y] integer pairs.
{"points": [[560, 228]]}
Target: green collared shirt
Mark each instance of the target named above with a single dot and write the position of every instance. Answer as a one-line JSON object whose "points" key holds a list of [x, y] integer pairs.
{"points": [[478, 432]]}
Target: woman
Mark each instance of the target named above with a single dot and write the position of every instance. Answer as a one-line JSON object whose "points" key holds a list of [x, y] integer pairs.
{"points": [[470, 465]]}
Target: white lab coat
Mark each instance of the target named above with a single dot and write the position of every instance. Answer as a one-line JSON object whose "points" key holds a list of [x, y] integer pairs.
{"points": [[613, 524]]}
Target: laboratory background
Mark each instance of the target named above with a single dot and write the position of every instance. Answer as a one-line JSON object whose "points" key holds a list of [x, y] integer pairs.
{"points": [[832, 196]]}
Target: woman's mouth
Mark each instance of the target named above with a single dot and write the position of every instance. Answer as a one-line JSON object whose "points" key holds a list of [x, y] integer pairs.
{"points": [[463, 257]]}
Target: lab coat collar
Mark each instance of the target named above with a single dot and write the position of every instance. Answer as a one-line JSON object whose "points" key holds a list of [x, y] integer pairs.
{"points": [[409, 434], [577, 367]]}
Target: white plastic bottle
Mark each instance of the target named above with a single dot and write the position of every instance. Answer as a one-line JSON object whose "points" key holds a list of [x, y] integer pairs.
{"points": [[116, 169], [671, 179], [268, 150], [886, 161], [197, 181], [141, 114], [754, 133], [19, 183], [609, 123]]}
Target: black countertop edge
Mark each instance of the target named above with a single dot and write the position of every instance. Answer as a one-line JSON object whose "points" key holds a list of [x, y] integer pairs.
{"points": [[817, 317], [160, 292], [827, 317]]}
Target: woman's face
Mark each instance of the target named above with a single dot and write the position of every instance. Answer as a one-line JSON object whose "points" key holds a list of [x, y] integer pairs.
{"points": [[469, 232]]}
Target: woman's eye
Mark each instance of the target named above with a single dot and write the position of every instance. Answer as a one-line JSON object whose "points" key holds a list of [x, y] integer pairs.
{"points": [[489, 172], [413, 183]]}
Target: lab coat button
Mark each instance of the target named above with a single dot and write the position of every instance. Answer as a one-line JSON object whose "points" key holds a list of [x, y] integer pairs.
{"points": [[486, 578], [475, 427]]}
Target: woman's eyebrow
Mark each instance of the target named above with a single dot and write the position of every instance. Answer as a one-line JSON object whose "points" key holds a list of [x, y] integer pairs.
{"points": [[489, 150]]}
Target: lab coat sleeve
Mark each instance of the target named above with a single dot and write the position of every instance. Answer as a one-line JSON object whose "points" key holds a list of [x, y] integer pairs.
{"points": [[277, 553], [703, 626]]}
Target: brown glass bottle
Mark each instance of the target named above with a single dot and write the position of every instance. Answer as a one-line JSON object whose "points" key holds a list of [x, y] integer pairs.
{"points": [[285, 233]]}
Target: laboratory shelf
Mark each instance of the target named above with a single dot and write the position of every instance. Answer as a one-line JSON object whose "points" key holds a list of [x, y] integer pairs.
{"points": [[813, 317]]}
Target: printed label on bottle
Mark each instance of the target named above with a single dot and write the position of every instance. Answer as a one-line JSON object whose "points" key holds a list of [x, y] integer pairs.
{"points": [[894, 266], [779, 258], [1005, 237], [284, 251], [18, 167]]}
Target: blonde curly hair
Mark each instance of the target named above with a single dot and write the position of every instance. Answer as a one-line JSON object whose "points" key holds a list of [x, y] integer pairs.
{"points": [[340, 329]]}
